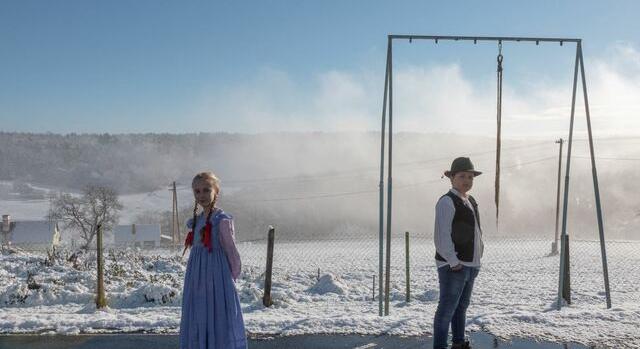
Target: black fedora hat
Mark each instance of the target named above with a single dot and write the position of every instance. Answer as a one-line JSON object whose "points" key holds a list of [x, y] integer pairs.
{"points": [[461, 164]]}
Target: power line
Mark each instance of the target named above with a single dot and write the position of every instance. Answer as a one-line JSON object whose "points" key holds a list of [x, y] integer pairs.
{"points": [[320, 196], [607, 158], [485, 172], [400, 187], [616, 139], [405, 186], [363, 170], [356, 172]]}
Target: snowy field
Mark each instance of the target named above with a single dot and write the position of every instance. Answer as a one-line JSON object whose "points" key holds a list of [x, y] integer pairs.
{"points": [[515, 293]]}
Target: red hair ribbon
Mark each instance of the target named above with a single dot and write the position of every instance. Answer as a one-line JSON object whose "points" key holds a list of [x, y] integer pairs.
{"points": [[188, 241], [206, 238]]}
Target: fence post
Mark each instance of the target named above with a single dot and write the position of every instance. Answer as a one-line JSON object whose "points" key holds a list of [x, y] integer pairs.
{"points": [[266, 300], [407, 270], [101, 300], [566, 290], [373, 298]]}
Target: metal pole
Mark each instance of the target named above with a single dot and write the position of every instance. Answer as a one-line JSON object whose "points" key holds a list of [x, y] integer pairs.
{"points": [[596, 189], [389, 178], [381, 187], [566, 290], [407, 267], [498, 135], [554, 248], [482, 38], [566, 182]]}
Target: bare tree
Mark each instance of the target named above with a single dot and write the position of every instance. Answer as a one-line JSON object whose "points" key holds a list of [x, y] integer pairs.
{"points": [[98, 205]]}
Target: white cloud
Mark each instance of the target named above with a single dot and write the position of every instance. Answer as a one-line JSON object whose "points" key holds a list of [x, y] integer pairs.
{"points": [[432, 99]]}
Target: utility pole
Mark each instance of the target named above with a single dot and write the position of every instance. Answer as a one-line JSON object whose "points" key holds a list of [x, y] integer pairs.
{"points": [[175, 222]]}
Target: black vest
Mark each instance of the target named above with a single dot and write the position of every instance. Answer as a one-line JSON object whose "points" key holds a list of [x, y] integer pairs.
{"points": [[463, 228]]}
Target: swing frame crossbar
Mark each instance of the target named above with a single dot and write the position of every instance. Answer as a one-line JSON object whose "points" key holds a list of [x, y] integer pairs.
{"points": [[387, 107], [481, 38]]}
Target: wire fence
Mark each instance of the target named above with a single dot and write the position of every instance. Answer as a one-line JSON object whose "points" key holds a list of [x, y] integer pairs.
{"points": [[514, 270], [525, 268]]}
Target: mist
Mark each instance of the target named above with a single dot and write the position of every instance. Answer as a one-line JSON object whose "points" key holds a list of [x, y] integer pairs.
{"points": [[324, 185], [279, 169]]}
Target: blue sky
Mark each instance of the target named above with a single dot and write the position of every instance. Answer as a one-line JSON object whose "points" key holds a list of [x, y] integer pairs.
{"points": [[240, 66]]}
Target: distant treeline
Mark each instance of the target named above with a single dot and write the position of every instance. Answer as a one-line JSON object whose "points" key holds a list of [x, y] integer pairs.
{"points": [[317, 184]]}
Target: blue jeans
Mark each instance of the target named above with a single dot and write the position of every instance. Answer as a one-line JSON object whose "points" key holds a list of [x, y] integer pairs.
{"points": [[455, 295]]}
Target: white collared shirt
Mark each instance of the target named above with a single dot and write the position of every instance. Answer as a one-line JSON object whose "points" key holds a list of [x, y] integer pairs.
{"points": [[445, 210]]}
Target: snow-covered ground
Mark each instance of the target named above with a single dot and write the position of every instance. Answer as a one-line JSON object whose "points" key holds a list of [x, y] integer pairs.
{"points": [[515, 294]]}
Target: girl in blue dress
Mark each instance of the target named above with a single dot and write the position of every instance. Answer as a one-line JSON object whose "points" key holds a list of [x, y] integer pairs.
{"points": [[211, 312]]}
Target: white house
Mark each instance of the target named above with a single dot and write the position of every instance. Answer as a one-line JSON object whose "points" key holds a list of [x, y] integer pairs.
{"points": [[30, 234], [145, 236]]}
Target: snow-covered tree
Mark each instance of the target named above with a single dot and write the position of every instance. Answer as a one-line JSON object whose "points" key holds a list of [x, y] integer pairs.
{"points": [[98, 205]]}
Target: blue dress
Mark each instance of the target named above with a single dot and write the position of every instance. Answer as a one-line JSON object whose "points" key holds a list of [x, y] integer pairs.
{"points": [[211, 312]]}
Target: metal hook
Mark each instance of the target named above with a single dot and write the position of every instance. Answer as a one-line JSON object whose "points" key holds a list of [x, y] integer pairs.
{"points": [[410, 39], [436, 40]]}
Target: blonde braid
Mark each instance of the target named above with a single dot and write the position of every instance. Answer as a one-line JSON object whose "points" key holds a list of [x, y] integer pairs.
{"points": [[193, 229], [211, 205], [195, 215]]}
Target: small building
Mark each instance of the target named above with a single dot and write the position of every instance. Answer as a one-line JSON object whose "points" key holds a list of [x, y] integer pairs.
{"points": [[30, 234], [146, 236], [166, 241]]}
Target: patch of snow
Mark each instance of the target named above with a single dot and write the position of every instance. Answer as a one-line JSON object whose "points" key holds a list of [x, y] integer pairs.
{"points": [[327, 284], [514, 296]]}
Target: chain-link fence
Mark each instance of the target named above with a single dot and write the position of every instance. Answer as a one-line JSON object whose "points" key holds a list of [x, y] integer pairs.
{"points": [[514, 270]]}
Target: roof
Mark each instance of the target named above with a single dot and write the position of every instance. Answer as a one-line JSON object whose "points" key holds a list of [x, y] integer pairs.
{"points": [[33, 232], [143, 232]]}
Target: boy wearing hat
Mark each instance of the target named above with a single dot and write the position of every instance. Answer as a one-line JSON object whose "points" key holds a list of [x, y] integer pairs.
{"points": [[459, 247]]}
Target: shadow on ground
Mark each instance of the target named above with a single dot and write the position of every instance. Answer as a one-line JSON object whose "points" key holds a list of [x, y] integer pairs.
{"points": [[155, 341]]}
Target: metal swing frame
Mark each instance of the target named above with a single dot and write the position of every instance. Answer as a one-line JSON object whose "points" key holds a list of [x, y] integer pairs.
{"points": [[387, 106]]}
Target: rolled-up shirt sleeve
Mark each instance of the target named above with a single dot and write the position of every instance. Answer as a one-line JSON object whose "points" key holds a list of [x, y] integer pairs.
{"points": [[228, 243], [445, 210]]}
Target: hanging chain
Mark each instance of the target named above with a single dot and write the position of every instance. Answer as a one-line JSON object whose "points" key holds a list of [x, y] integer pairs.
{"points": [[500, 57], [498, 137]]}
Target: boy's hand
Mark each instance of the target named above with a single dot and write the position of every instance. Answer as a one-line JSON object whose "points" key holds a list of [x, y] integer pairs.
{"points": [[457, 267]]}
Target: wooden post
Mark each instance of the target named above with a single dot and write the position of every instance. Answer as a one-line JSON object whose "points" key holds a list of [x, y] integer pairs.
{"points": [[101, 300], [266, 300], [373, 298], [566, 290], [407, 270]]}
